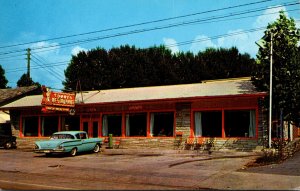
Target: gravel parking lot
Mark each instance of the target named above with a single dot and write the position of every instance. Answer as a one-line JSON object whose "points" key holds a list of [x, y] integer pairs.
{"points": [[139, 170]]}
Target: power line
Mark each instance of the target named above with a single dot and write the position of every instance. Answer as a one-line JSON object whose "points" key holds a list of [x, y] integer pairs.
{"points": [[139, 24], [53, 69], [198, 21], [33, 67], [56, 74]]}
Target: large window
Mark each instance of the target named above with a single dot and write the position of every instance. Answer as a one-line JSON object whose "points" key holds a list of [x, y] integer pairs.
{"points": [[162, 124], [70, 123], [112, 124], [208, 123], [30, 126], [136, 124], [240, 123], [49, 125]]}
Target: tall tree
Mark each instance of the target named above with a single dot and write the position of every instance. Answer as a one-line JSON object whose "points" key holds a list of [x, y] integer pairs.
{"points": [[25, 81], [128, 66], [3, 80], [286, 67]]}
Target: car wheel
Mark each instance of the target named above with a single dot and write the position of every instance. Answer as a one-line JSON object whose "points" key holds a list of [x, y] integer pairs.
{"points": [[96, 148], [73, 152], [8, 145]]}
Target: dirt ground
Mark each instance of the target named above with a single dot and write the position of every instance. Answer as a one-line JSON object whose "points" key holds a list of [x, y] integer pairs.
{"points": [[143, 170]]}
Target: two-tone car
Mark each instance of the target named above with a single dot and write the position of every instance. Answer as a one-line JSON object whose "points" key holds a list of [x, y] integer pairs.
{"points": [[70, 142]]}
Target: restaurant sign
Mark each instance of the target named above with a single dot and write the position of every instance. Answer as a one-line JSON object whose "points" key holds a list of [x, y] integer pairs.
{"points": [[57, 101]]}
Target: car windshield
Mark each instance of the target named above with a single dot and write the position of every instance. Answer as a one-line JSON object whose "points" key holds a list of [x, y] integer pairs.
{"points": [[62, 136]]}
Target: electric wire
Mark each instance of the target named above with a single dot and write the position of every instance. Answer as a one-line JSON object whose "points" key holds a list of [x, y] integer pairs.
{"points": [[139, 24], [67, 44], [50, 71], [204, 21]]}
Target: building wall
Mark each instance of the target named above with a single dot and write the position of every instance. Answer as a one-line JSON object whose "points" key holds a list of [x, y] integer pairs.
{"points": [[183, 122]]}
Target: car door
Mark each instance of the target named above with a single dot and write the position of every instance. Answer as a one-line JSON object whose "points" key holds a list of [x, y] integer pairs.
{"points": [[85, 145]]}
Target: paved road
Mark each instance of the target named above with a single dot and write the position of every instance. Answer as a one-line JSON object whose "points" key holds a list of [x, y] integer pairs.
{"points": [[125, 169]]}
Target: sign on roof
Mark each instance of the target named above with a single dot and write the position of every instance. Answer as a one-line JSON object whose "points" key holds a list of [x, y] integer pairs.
{"points": [[57, 101]]}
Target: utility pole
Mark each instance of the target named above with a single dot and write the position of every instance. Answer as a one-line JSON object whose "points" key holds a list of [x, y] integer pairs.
{"points": [[28, 63], [262, 43], [271, 87]]}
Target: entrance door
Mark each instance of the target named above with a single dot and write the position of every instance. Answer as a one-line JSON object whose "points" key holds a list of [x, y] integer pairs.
{"points": [[95, 129], [91, 127]]}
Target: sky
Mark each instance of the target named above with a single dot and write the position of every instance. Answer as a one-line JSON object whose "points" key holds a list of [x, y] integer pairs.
{"points": [[55, 30]]}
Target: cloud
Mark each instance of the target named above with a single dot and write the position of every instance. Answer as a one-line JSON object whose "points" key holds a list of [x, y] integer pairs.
{"points": [[200, 43], [268, 17], [45, 48], [239, 38], [171, 44], [77, 49]]}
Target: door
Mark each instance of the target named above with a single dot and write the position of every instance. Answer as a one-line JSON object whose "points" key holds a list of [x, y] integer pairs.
{"points": [[95, 129], [91, 127]]}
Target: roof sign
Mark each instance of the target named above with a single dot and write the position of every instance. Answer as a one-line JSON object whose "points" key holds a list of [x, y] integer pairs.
{"points": [[57, 101]]}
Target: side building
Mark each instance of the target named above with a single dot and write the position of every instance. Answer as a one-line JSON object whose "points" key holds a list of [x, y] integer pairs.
{"points": [[227, 112]]}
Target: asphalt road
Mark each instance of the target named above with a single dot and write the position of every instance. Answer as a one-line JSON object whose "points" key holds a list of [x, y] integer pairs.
{"points": [[143, 171]]}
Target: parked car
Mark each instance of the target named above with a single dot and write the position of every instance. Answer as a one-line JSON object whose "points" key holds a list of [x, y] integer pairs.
{"points": [[7, 140], [70, 142]]}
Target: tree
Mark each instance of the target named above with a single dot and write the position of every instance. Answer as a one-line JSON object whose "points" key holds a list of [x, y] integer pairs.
{"points": [[26, 81], [286, 67], [3, 80], [127, 66]]}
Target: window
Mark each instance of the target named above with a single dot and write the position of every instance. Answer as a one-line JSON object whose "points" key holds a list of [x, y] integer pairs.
{"points": [[83, 135], [30, 126], [162, 124], [208, 123], [49, 125], [70, 123], [62, 136], [240, 123], [136, 124], [112, 124]]}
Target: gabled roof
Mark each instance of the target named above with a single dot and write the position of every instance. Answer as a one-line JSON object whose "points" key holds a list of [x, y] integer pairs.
{"points": [[229, 87], [8, 95]]}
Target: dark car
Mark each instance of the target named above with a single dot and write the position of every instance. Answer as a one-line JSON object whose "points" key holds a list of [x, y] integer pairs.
{"points": [[7, 140]]}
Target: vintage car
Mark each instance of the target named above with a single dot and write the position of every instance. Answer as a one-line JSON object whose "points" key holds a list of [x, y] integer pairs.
{"points": [[68, 142], [7, 140]]}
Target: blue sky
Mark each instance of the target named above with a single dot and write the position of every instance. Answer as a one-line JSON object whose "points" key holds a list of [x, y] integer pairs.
{"points": [[39, 21]]}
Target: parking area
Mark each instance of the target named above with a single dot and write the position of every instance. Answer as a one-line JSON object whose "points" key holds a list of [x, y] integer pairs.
{"points": [[141, 170]]}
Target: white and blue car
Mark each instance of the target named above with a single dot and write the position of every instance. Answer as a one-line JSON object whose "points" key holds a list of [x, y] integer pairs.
{"points": [[70, 142]]}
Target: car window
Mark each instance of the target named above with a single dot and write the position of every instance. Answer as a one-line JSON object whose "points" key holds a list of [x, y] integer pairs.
{"points": [[77, 136], [62, 136], [83, 136]]}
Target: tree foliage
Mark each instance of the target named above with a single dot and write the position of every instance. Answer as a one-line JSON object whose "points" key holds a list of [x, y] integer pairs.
{"points": [[3, 80], [286, 67], [128, 66], [25, 81]]}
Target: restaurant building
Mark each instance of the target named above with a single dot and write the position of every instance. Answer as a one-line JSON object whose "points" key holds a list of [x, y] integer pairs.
{"points": [[226, 112]]}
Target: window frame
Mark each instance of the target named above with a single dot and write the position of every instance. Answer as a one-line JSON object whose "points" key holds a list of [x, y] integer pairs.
{"points": [[162, 112], [194, 110]]}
